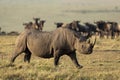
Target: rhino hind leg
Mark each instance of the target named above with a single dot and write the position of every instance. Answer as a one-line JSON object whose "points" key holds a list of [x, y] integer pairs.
{"points": [[74, 60], [27, 56]]}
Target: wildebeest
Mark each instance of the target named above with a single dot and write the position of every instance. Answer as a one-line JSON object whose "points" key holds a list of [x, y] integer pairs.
{"points": [[115, 29], [58, 24], [104, 27], [61, 41], [39, 23], [75, 26], [28, 25], [72, 25], [36, 21], [83, 28], [92, 28], [38, 26]]}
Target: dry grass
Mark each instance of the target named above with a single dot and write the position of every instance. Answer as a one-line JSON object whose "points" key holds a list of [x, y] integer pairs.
{"points": [[103, 64]]}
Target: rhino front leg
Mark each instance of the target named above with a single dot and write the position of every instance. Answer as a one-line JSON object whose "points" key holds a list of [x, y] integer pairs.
{"points": [[56, 57], [74, 60]]}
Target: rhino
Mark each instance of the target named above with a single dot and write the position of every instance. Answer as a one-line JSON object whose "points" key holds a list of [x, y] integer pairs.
{"points": [[61, 41]]}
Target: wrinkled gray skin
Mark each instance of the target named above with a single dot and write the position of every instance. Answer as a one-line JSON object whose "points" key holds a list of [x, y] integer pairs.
{"points": [[61, 41]]}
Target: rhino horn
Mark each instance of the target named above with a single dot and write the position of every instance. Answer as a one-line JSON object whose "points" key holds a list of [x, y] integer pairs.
{"points": [[94, 42]]}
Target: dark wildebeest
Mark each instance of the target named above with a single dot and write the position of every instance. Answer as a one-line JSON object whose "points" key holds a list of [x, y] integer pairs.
{"points": [[28, 25], [36, 21], [80, 29], [58, 24], [76, 26], [83, 28], [104, 27], [61, 41], [115, 28], [38, 26], [73, 25], [92, 28], [39, 23]]}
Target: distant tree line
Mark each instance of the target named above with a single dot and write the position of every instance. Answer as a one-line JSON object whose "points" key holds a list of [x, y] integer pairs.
{"points": [[12, 33]]}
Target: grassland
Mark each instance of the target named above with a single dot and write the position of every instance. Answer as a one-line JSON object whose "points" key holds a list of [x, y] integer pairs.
{"points": [[103, 64]]}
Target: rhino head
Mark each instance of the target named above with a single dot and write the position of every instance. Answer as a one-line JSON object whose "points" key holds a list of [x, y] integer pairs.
{"points": [[84, 47]]}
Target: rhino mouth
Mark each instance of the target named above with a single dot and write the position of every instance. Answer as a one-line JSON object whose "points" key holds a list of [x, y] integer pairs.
{"points": [[87, 52]]}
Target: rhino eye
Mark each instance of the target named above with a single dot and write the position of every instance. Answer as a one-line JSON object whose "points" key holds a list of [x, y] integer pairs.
{"points": [[83, 46]]}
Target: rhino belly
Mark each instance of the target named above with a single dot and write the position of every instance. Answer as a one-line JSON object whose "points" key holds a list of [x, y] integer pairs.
{"points": [[40, 51]]}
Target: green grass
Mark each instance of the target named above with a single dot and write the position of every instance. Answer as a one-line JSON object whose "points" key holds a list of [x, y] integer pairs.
{"points": [[103, 64]]}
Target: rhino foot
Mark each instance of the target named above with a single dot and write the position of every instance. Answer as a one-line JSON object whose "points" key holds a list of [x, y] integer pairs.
{"points": [[79, 67]]}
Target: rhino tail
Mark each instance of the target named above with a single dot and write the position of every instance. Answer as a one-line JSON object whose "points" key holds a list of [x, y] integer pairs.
{"points": [[27, 56], [20, 47]]}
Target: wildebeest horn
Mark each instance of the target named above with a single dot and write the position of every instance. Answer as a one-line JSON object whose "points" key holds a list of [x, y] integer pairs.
{"points": [[94, 42], [36, 18]]}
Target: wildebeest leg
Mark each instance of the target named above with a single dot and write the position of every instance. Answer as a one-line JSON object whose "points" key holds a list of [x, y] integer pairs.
{"points": [[118, 34], [74, 60], [107, 34], [56, 57], [100, 34], [112, 34]]}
